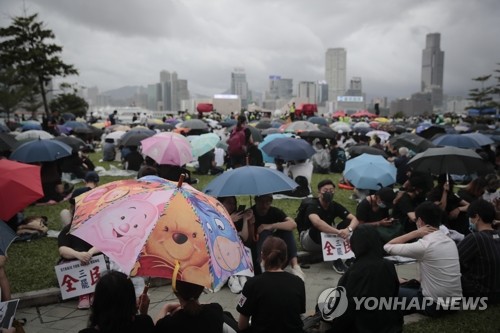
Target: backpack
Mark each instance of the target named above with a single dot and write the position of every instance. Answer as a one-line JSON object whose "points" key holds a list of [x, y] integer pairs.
{"points": [[236, 144], [302, 221], [338, 165]]}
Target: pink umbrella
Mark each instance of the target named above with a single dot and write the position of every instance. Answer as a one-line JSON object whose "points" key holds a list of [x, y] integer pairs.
{"points": [[168, 148]]}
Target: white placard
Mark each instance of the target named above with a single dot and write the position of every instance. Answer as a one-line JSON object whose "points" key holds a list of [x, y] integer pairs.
{"points": [[7, 313], [76, 279], [335, 247]]}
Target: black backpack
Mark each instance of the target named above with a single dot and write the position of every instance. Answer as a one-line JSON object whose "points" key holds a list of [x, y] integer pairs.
{"points": [[302, 221]]}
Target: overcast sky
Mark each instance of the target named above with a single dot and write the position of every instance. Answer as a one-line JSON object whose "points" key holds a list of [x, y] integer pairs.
{"points": [[114, 43]]}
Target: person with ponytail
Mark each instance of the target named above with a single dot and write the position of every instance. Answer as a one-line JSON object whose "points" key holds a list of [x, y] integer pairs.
{"points": [[189, 315], [115, 307], [275, 299]]}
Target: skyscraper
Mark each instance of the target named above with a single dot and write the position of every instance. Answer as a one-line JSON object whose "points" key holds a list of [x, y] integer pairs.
{"points": [[239, 85], [336, 72], [433, 68], [307, 91]]}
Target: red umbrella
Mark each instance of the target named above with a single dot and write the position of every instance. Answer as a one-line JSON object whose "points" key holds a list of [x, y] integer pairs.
{"points": [[20, 185]]}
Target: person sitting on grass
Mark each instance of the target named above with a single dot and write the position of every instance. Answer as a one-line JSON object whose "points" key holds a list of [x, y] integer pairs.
{"points": [[437, 258], [369, 276], [273, 221], [115, 307], [479, 254], [321, 217]]}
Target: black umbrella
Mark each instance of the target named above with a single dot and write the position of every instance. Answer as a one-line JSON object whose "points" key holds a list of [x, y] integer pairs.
{"points": [[263, 124], [83, 130], [428, 133], [451, 160], [365, 149], [164, 127], [7, 142], [75, 143], [195, 124], [146, 133], [316, 135], [256, 133], [411, 141], [134, 140]]}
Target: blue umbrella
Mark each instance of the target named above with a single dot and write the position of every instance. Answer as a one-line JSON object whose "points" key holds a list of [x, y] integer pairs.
{"points": [[31, 125], [370, 172], [228, 123], [481, 139], [456, 140], [68, 116], [249, 180], [289, 149], [204, 143], [7, 236], [40, 151], [269, 138], [318, 121], [75, 124]]}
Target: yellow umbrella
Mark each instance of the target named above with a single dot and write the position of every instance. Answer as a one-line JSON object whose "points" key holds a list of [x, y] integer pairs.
{"points": [[99, 125], [382, 120]]}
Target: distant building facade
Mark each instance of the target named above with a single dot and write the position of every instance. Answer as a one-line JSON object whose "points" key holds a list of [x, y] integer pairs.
{"points": [[433, 69], [336, 72], [307, 91], [239, 85]]}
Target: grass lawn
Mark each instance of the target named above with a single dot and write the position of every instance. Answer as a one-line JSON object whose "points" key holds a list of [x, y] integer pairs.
{"points": [[31, 264]]}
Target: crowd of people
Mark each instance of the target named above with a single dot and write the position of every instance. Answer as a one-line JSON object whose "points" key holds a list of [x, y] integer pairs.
{"points": [[452, 234]]}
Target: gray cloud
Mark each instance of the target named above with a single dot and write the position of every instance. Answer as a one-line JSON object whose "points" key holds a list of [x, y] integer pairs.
{"points": [[115, 43]]}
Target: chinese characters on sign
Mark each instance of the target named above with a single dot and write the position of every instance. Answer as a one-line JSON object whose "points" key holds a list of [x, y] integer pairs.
{"points": [[76, 279], [335, 247]]}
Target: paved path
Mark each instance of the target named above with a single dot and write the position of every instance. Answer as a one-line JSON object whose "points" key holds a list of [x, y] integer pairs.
{"points": [[64, 317]]}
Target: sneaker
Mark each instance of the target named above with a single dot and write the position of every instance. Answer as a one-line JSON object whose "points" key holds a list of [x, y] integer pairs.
{"points": [[338, 266], [234, 285], [297, 271], [84, 302], [349, 262]]}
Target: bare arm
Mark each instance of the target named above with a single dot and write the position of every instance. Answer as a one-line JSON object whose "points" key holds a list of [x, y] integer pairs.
{"points": [[243, 322], [321, 225], [288, 224], [68, 253], [344, 233]]}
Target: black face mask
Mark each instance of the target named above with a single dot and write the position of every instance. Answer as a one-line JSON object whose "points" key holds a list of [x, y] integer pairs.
{"points": [[328, 197], [492, 190]]}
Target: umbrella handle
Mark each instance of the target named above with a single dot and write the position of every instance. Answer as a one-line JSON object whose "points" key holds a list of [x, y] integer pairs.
{"points": [[174, 275], [181, 180]]}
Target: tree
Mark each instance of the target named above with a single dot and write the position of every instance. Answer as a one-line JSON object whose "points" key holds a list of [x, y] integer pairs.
{"points": [[25, 45], [69, 103], [481, 96], [12, 92]]}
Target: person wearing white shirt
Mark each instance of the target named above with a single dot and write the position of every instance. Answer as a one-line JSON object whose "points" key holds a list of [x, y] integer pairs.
{"points": [[302, 168], [437, 257]]}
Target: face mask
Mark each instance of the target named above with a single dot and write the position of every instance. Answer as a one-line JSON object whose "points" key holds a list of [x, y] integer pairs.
{"points": [[381, 205], [472, 226], [328, 196]]}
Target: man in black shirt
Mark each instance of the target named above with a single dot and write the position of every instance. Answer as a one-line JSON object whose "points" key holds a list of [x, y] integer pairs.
{"points": [[321, 216]]}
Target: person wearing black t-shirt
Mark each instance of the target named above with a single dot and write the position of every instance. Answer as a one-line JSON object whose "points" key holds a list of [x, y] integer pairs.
{"points": [[273, 221], [479, 254], [189, 315], [275, 299], [321, 216]]}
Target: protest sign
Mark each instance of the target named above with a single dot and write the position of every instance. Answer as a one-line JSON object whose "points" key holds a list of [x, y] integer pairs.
{"points": [[335, 247], [76, 279]]}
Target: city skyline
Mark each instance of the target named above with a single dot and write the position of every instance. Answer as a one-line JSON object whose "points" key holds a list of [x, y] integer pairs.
{"points": [[128, 43]]}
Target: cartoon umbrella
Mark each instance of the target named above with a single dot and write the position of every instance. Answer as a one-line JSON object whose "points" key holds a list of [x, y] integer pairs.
{"points": [[154, 227]]}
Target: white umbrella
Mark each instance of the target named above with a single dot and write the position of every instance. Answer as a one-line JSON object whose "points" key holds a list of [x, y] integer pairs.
{"points": [[33, 135], [381, 134]]}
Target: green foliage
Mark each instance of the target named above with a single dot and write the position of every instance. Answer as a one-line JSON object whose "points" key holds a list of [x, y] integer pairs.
{"points": [[12, 92], [26, 46], [399, 115], [69, 103]]}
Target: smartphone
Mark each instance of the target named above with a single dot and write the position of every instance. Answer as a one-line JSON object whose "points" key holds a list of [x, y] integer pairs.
{"points": [[241, 208]]}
